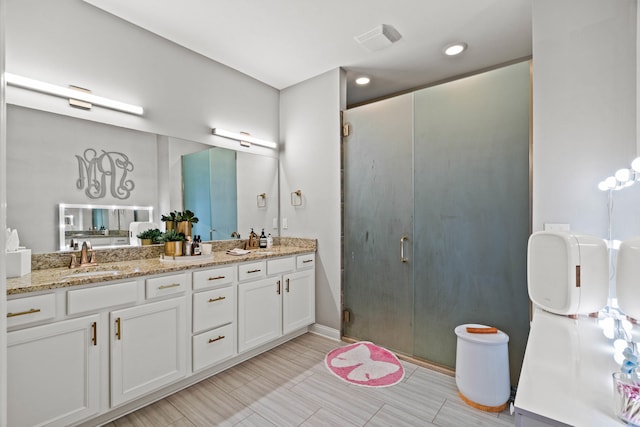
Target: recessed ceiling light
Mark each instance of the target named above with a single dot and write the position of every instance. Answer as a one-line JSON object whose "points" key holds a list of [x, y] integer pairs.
{"points": [[363, 80], [454, 48]]}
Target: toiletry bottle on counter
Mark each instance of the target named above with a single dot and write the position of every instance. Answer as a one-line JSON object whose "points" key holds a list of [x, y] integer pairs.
{"points": [[263, 240], [269, 241], [196, 249], [188, 246]]}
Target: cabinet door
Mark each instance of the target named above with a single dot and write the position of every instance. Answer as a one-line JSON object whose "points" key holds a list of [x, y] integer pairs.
{"points": [[53, 373], [259, 312], [148, 348], [299, 300]]}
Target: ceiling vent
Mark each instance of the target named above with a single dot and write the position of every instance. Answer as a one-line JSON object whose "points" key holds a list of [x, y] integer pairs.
{"points": [[379, 37]]}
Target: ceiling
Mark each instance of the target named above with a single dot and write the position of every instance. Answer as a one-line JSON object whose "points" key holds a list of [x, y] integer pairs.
{"points": [[284, 42]]}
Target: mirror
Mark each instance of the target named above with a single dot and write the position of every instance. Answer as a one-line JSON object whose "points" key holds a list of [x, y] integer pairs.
{"points": [[231, 192], [102, 226], [38, 179]]}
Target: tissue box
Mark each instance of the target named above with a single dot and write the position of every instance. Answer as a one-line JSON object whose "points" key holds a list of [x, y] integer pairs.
{"points": [[18, 263]]}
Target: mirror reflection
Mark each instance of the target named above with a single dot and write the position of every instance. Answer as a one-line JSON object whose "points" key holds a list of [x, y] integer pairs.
{"points": [[38, 180], [231, 192], [102, 226]]}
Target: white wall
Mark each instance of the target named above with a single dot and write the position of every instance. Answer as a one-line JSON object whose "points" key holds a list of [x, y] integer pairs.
{"points": [[184, 94], [310, 162], [584, 108]]}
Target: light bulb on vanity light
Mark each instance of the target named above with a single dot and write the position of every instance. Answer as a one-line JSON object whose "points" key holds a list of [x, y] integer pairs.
{"points": [[623, 175], [611, 182], [635, 164]]}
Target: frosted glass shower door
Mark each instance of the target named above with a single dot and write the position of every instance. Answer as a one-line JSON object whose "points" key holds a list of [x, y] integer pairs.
{"points": [[209, 189], [472, 211], [378, 207]]}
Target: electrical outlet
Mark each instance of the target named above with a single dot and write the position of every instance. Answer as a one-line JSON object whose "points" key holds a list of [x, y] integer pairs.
{"points": [[555, 227], [285, 223]]}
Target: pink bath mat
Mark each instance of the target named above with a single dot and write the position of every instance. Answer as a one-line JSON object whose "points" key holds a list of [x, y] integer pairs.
{"points": [[365, 364]]}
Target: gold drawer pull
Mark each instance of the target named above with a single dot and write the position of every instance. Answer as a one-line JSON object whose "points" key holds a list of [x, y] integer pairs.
{"points": [[118, 330], [22, 313], [173, 285], [254, 271], [94, 337], [216, 299], [216, 278], [220, 337], [307, 260]]}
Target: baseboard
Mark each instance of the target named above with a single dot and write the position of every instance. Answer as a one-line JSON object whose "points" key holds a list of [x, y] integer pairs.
{"points": [[325, 331]]}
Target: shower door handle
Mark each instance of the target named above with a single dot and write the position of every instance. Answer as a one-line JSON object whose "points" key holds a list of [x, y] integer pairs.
{"points": [[402, 240]]}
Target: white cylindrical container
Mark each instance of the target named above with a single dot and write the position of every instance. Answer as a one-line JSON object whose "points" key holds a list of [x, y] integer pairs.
{"points": [[482, 368]]}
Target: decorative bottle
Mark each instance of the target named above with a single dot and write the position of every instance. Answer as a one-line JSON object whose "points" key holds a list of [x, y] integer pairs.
{"points": [[263, 240]]}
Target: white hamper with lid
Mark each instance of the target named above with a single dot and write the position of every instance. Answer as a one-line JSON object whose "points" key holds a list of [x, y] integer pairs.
{"points": [[482, 368]]}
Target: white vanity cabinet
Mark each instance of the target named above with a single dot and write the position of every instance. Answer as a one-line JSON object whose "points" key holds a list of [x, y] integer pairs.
{"points": [[86, 353], [148, 348], [282, 303], [259, 312], [53, 373], [298, 304], [214, 316]]}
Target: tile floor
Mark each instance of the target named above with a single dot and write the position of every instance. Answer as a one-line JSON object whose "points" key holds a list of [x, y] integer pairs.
{"points": [[290, 386]]}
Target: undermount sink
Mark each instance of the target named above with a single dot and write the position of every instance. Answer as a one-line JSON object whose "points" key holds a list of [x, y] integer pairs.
{"points": [[94, 273]]}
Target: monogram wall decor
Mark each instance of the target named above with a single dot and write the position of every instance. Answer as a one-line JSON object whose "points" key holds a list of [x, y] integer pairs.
{"points": [[108, 170]]}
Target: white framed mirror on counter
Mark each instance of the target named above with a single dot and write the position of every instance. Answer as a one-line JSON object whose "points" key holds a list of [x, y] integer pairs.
{"points": [[102, 226], [54, 159]]}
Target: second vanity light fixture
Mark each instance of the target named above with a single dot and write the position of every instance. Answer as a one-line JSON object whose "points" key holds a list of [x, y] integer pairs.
{"points": [[87, 99], [623, 178], [243, 137]]}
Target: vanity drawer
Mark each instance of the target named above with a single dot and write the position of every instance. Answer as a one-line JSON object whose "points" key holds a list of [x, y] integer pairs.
{"points": [[280, 265], [92, 299], [30, 309], [252, 270], [166, 285], [213, 277], [305, 261], [119, 240], [213, 308], [213, 346]]}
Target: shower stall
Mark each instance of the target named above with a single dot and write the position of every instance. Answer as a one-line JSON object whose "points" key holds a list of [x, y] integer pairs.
{"points": [[437, 215]]}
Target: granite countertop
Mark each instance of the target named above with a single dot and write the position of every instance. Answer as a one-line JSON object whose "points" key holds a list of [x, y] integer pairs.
{"points": [[62, 277]]}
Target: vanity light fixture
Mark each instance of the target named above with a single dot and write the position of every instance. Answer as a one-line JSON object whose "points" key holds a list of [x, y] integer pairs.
{"points": [[454, 49], [623, 178], [364, 80], [83, 96], [243, 137]]}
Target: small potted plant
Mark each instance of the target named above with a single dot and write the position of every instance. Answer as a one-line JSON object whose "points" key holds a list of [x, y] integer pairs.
{"points": [[181, 221], [169, 220], [173, 243], [150, 236], [185, 221]]}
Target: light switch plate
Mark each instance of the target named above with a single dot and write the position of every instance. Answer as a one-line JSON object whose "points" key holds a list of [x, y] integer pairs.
{"points": [[275, 222], [285, 223]]}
